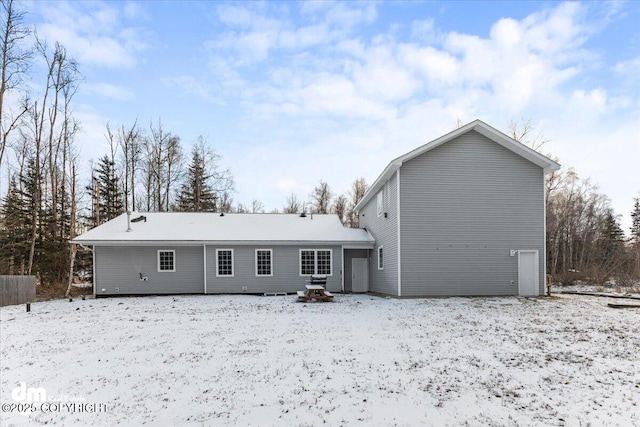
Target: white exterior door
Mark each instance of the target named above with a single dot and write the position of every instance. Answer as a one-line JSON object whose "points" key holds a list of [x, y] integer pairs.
{"points": [[359, 275], [528, 283]]}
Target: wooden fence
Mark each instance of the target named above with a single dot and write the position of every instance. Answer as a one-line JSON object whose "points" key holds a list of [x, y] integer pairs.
{"points": [[17, 290]]}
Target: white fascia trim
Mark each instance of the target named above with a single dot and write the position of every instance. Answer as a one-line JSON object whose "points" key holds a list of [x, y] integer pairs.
{"points": [[365, 244]]}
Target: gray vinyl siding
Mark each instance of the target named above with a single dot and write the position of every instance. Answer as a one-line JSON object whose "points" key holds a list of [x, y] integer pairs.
{"points": [[349, 255], [120, 267], [385, 232], [286, 270], [464, 206]]}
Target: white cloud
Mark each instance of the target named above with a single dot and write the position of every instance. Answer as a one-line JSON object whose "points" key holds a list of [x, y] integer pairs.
{"points": [[107, 90], [94, 34], [423, 30], [373, 99], [316, 98], [629, 70]]}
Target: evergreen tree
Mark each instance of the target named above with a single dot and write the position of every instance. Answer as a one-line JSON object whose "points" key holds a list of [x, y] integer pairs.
{"points": [[15, 227], [105, 192], [611, 248], [635, 222], [635, 235], [196, 194]]}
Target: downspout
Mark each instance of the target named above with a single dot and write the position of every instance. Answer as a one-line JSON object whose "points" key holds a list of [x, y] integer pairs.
{"points": [[399, 242], [204, 254], [546, 287], [342, 268]]}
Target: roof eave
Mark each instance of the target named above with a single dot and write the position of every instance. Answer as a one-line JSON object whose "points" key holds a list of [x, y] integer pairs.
{"points": [[379, 182], [367, 243]]}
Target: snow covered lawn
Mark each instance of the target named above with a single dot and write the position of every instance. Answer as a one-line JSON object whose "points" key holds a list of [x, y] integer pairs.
{"points": [[362, 360]]}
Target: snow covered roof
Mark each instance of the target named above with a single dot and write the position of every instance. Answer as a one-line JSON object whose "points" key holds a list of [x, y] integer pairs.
{"points": [[479, 126], [244, 229]]}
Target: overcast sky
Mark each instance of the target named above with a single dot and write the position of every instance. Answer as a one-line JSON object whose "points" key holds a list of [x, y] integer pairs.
{"points": [[290, 93]]}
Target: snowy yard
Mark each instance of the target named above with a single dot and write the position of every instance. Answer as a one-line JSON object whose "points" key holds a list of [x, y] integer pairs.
{"points": [[362, 360]]}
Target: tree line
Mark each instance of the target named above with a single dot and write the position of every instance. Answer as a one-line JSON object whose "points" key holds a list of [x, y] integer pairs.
{"points": [[584, 238]]}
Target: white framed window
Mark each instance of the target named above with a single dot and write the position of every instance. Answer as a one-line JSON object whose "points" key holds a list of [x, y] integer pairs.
{"points": [[380, 202], [316, 261], [307, 262], [166, 260], [264, 262], [380, 258], [323, 262], [224, 261]]}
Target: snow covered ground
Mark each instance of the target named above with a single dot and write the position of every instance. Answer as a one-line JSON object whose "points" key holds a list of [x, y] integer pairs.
{"points": [[362, 360]]}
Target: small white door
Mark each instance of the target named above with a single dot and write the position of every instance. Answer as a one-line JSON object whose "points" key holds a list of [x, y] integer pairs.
{"points": [[359, 275], [528, 284]]}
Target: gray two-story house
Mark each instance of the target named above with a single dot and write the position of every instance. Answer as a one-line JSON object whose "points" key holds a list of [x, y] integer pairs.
{"points": [[461, 215]]}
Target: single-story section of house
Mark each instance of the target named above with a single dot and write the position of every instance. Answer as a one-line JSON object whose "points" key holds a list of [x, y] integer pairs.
{"points": [[461, 215], [210, 253]]}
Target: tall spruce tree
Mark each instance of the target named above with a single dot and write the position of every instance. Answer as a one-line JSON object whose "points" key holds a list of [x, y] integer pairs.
{"points": [[196, 193], [105, 192], [635, 222], [206, 187], [635, 235], [611, 247], [15, 217]]}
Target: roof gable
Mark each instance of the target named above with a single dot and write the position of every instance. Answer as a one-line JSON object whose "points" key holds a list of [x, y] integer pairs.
{"points": [[479, 126]]}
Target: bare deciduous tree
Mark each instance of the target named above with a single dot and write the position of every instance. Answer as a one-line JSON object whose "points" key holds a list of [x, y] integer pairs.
{"points": [[339, 207], [358, 189], [15, 62], [525, 133], [257, 206], [163, 167], [321, 198], [131, 148], [293, 206]]}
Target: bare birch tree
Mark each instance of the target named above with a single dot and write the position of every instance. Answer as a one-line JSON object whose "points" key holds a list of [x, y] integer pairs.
{"points": [[294, 205], [321, 198], [15, 62], [339, 207], [358, 189]]}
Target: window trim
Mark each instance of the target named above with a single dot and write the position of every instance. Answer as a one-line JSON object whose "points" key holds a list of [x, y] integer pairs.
{"points": [[173, 260], [315, 261], [233, 267], [380, 202], [270, 262], [380, 258]]}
